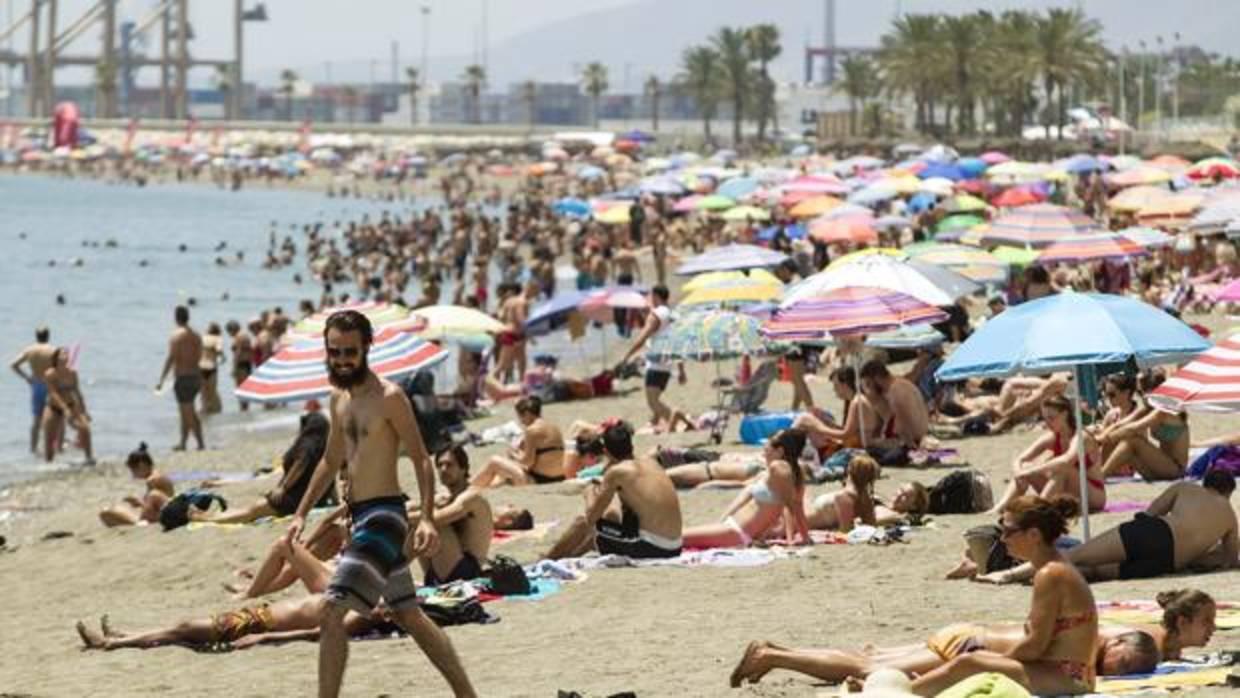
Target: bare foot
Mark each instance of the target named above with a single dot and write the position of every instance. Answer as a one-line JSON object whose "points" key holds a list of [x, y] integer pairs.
{"points": [[855, 684], [244, 574], [91, 639], [967, 569], [106, 627], [747, 668]]}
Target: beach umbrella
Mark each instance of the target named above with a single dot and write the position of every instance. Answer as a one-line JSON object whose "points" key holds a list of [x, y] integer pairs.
{"points": [[1215, 217], [1080, 164], [299, 372], [575, 208], [595, 303], [712, 336], [457, 324], [738, 187], [1017, 196], [938, 186], [687, 204], [722, 278], [965, 203], [926, 282], [972, 168], [1014, 171], [854, 229], [661, 184], [794, 232], [892, 222], [970, 262], [637, 136], [746, 213], [714, 202], [1140, 175], [866, 251], [730, 257], [381, 316], [993, 157], [1066, 332], [872, 195], [959, 222], [614, 215], [733, 293], [900, 185], [1135, 198], [1172, 210], [849, 310], [1208, 383], [1015, 256], [942, 170], [1214, 168], [1088, 248], [1151, 238], [1038, 225], [591, 172], [817, 184], [903, 338], [815, 206]]}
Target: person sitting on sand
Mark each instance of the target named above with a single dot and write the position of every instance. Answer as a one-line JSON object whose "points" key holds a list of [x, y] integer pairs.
{"points": [[133, 510], [299, 462], [1050, 465], [463, 521], [1121, 651], [644, 523], [906, 418], [65, 404], [858, 412], [855, 502], [757, 510], [1056, 654], [538, 461], [1124, 406], [1188, 525], [1164, 458]]}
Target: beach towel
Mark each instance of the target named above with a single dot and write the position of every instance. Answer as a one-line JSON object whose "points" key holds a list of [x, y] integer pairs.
{"points": [[1122, 507], [714, 557], [1124, 479], [540, 588], [219, 476], [1149, 612], [1169, 676], [537, 533], [508, 433], [1225, 457]]}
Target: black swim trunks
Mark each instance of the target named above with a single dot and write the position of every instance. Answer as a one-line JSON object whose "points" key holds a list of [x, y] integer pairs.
{"points": [[1149, 546], [186, 388], [628, 539], [466, 568], [658, 379], [540, 479]]}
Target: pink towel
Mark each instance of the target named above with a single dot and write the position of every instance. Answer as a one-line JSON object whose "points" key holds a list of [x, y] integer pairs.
{"points": [[1122, 507]]}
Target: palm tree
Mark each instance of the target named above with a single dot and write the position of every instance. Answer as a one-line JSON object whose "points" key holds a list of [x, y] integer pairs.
{"points": [[529, 95], [288, 83], [475, 78], [912, 63], [654, 91], [963, 34], [413, 83], [1005, 69], [734, 60], [763, 43], [702, 79], [224, 83], [860, 83], [105, 85], [1070, 52], [594, 79]]}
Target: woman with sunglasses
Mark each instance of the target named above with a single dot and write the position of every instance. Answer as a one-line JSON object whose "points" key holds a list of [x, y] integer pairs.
{"points": [[1056, 655], [1124, 406], [1051, 465], [1162, 455]]}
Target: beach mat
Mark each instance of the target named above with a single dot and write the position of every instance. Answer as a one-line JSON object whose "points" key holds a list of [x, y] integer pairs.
{"points": [[1170, 676], [1149, 612], [539, 532], [714, 557], [1123, 507], [219, 476]]}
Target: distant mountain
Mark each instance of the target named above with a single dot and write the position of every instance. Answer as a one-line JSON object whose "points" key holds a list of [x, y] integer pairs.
{"points": [[648, 36]]}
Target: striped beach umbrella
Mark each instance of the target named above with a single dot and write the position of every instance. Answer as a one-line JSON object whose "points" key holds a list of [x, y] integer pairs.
{"points": [[1208, 383], [1150, 238], [1172, 210], [1038, 225], [970, 262], [712, 336], [849, 310], [299, 372], [735, 292], [381, 315], [926, 282], [1214, 168], [716, 278], [1090, 248]]}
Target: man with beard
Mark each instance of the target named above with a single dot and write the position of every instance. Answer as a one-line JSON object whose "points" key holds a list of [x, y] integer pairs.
{"points": [[370, 420], [906, 419]]}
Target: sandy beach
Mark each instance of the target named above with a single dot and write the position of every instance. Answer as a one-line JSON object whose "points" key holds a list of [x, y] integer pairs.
{"points": [[657, 632]]}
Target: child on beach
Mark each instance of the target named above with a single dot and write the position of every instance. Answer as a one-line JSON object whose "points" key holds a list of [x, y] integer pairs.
{"points": [[133, 511]]}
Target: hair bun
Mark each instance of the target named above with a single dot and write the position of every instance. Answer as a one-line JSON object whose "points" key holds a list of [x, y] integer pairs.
{"points": [[142, 446], [1165, 598]]}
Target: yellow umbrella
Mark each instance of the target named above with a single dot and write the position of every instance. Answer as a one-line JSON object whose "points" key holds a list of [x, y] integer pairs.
{"points": [[1135, 198], [615, 214], [722, 278], [903, 184], [456, 323], [746, 213], [1171, 209], [738, 291], [814, 206], [867, 252]]}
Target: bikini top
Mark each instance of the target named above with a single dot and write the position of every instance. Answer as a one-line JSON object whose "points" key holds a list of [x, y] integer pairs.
{"points": [[762, 494], [1168, 431], [1065, 623]]}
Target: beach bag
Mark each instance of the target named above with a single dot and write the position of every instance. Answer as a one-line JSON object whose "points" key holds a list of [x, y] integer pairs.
{"points": [[175, 513], [1225, 458], [506, 577], [452, 610], [961, 492]]}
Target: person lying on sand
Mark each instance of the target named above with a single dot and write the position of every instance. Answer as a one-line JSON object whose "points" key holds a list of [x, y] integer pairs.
{"points": [[133, 510], [1018, 401], [758, 509], [299, 462], [540, 458], [1050, 465], [1121, 651], [644, 523], [855, 502], [1188, 525]]}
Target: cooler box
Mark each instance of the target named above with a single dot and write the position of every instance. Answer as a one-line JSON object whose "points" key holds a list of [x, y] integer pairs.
{"points": [[757, 428]]}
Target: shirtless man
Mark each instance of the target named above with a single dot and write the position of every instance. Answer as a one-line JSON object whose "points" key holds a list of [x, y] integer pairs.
{"points": [[184, 357], [242, 348], [38, 357], [464, 523], [371, 419], [1188, 525], [539, 460], [645, 523], [513, 311], [906, 417]]}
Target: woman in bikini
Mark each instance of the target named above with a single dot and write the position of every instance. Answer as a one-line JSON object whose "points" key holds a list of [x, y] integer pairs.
{"points": [[540, 459], [1124, 406], [1057, 653], [65, 404], [134, 510], [856, 502], [858, 411], [1050, 465], [757, 510], [1187, 621], [1164, 458]]}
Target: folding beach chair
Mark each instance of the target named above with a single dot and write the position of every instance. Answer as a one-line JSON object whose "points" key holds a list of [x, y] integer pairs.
{"points": [[745, 399]]}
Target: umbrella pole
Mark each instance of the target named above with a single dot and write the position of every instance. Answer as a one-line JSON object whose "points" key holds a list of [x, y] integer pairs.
{"points": [[1080, 453], [860, 394]]}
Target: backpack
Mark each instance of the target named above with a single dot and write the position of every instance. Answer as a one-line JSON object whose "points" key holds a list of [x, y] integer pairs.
{"points": [[506, 577], [961, 492], [175, 513]]}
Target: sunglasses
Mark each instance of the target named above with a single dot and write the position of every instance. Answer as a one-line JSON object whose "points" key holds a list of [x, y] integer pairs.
{"points": [[346, 352], [1006, 530]]}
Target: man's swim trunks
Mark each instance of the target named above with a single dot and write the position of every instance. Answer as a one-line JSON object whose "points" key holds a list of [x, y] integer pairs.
{"points": [[186, 388], [373, 565]]}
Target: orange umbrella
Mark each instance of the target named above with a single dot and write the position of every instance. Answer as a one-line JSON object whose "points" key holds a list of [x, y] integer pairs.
{"points": [[859, 229], [814, 206]]}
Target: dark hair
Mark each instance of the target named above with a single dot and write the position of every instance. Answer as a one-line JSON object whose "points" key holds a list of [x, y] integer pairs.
{"points": [[181, 314], [1182, 604], [1219, 480], [589, 445], [140, 456], [846, 375], [1038, 275], [618, 440], [310, 444], [874, 368], [350, 321], [1049, 516], [459, 456], [530, 404], [1122, 381], [213, 328], [1151, 379], [523, 520], [792, 442], [1145, 653], [661, 292], [921, 499], [42, 334], [1060, 403]]}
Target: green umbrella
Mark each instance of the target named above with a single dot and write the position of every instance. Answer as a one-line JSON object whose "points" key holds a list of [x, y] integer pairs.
{"points": [[958, 222], [714, 202], [1016, 256]]}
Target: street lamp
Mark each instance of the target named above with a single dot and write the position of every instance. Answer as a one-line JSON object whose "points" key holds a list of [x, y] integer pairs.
{"points": [[258, 13]]}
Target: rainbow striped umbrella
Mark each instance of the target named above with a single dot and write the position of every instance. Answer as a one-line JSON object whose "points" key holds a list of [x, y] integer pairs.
{"points": [[712, 336], [381, 315], [1208, 383], [1038, 225], [299, 371], [1093, 247], [849, 310]]}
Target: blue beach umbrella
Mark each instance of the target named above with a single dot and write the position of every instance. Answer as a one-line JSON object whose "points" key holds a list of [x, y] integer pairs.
{"points": [[1080, 164], [794, 232], [738, 187], [942, 169], [1070, 331], [972, 167], [922, 201], [569, 206]]}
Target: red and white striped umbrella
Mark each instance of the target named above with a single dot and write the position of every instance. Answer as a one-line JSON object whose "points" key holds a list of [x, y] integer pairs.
{"points": [[1208, 383], [299, 371], [1088, 248]]}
